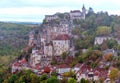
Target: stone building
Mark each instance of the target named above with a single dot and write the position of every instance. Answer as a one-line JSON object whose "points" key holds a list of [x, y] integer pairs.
{"points": [[77, 14], [61, 44]]}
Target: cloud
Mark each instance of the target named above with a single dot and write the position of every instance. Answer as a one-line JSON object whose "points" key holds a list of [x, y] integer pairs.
{"points": [[36, 9], [28, 13]]}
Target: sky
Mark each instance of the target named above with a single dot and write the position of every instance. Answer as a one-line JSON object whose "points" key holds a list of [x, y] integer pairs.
{"points": [[35, 10]]}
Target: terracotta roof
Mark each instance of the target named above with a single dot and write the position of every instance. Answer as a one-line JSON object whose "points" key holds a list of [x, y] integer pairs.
{"points": [[62, 37], [97, 73], [47, 44], [37, 67], [23, 61], [102, 72], [64, 66], [16, 64], [47, 69], [78, 65]]}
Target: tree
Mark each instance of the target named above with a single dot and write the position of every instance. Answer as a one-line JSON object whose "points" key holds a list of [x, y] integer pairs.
{"points": [[21, 79], [72, 80], [64, 80], [69, 74], [82, 80], [61, 16], [108, 56], [76, 31], [102, 19], [80, 59], [64, 54], [103, 30], [93, 65], [54, 73], [111, 43], [116, 29], [114, 74], [52, 80], [43, 77], [118, 47], [53, 62], [12, 78], [90, 11], [35, 78], [76, 21]]}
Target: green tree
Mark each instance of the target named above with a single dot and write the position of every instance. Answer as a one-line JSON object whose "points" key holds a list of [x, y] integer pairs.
{"points": [[116, 29], [118, 47], [103, 30], [102, 19], [52, 80], [61, 16], [13, 78], [20, 80], [34, 78], [80, 59], [111, 43], [43, 77], [93, 65], [90, 12], [76, 31], [54, 74], [82, 80], [64, 80], [64, 55], [72, 80]]}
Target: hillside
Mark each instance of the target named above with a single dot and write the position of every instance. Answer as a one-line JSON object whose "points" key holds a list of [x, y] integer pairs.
{"points": [[63, 46], [13, 37]]}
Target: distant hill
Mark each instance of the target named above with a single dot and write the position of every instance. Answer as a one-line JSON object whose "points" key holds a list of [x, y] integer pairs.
{"points": [[25, 23], [13, 37]]}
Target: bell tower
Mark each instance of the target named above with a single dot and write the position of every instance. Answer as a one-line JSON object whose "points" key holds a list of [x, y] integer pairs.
{"points": [[83, 11]]}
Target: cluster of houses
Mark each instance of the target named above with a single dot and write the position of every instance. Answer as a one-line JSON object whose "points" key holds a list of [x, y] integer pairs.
{"points": [[49, 48], [99, 40], [40, 59], [80, 70], [54, 40]]}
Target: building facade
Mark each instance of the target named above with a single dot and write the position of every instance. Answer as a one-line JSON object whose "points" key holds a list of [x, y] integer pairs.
{"points": [[61, 44]]}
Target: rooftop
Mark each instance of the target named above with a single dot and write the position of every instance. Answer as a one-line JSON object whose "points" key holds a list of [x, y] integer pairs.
{"points": [[62, 37], [74, 11]]}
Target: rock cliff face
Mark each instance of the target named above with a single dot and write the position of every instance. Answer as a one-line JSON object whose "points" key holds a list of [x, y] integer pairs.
{"points": [[53, 25], [54, 35]]}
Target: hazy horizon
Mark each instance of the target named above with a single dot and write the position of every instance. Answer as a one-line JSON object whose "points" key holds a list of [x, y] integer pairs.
{"points": [[35, 10]]}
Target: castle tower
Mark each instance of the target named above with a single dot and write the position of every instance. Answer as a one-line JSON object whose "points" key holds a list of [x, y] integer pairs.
{"points": [[83, 11]]}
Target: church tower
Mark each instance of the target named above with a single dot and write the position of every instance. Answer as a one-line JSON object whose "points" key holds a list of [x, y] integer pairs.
{"points": [[83, 11]]}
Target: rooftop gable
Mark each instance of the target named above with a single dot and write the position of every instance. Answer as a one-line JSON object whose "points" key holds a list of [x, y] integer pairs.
{"points": [[62, 37]]}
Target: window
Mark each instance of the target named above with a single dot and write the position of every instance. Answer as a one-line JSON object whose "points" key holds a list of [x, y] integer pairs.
{"points": [[58, 42]]}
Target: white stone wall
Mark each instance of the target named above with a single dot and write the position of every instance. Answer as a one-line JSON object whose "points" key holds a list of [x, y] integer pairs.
{"points": [[35, 59], [51, 17], [31, 40], [60, 46], [43, 40], [99, 40], [75, 15], [48, 50], [63, 70]]}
